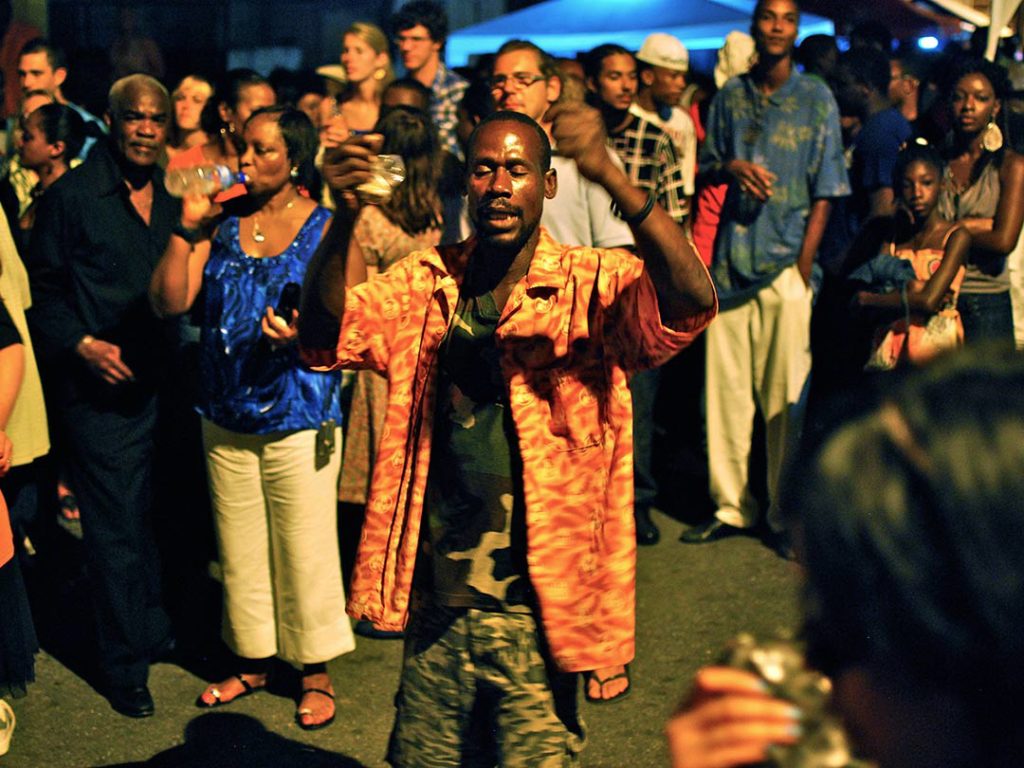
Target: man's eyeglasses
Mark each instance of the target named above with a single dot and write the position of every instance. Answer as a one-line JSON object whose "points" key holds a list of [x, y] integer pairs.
{"points": [[518, 80]]}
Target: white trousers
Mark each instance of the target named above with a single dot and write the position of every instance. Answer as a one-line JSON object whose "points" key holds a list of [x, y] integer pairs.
{"points": [[758, 357], [277, 531]]}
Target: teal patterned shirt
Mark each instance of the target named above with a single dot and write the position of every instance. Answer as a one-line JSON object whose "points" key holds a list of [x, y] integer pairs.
{"points": [[795, 134]]}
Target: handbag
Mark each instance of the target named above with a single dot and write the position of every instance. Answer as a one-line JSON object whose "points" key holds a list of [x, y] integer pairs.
{"points": [[911, 340]]}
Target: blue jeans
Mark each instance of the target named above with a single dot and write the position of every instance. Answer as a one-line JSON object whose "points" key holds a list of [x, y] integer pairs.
{"points": [[986, 317]]}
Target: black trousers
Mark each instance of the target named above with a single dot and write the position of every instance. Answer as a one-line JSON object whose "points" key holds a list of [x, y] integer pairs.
{"points": [[110, 457], [643, 388]]}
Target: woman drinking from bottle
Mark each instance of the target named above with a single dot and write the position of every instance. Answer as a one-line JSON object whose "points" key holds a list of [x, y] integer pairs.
{"points": [[270, 427], [238, 94]]}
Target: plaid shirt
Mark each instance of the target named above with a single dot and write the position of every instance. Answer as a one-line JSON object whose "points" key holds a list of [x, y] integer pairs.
{"points": [[448, 88], [653, 165]]}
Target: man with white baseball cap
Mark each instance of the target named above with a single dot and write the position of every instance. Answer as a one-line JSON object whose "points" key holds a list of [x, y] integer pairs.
{"points": [[662, 65]]}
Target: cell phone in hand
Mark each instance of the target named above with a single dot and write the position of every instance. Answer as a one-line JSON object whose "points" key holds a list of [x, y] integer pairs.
{"points": [[288, 301]]}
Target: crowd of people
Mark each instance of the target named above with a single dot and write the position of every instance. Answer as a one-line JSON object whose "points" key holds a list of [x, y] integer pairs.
{"points": [[565, 228]]}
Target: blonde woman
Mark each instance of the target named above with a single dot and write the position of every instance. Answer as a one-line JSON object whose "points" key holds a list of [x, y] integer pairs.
{"points": [[189, 99], [364, 55]]}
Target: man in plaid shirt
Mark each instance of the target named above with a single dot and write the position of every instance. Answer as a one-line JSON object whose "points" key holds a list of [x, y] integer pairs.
{"points": [[647, 151], [421, 29]]}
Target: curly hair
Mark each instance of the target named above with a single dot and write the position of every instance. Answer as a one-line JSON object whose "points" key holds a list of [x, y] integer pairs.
{"points": [[1000, 82], [426, 12], [975, 65]]}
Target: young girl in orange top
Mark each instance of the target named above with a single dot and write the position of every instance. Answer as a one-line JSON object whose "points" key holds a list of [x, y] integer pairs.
{"points": [[927, 320]]}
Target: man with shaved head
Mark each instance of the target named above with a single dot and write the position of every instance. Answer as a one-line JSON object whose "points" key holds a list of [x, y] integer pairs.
{"points": [[99, 231], [504, 477]]}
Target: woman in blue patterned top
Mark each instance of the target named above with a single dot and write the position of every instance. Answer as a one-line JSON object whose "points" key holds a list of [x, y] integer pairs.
{"points": [[270, 427]]}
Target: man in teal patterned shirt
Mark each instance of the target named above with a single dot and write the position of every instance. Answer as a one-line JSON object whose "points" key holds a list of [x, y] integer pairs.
{"points": [[774, 138]]}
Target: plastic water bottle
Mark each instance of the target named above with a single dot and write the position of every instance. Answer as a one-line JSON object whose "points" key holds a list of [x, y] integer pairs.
{"points": [[201, 180]]}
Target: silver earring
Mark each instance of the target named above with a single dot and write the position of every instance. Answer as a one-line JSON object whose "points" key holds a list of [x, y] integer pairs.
{"points": [[294, 172], [992, 138]]}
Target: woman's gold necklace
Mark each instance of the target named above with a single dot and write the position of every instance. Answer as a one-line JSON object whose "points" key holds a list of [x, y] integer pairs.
{"points": [[257, 233]]}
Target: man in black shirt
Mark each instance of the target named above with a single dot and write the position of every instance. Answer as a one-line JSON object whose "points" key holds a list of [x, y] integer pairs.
{"points": [[99, 232]]}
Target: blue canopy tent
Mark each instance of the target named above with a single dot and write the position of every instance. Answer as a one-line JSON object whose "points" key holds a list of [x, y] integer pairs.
{"points": [[563, 27]]}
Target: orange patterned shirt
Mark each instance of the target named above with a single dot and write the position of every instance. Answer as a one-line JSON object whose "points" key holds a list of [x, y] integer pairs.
{"points": [[572, 328]]}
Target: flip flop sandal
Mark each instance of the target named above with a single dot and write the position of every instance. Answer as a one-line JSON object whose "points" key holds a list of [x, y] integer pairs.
{"points": [[602, 682], [248, 687], [307, 711]]}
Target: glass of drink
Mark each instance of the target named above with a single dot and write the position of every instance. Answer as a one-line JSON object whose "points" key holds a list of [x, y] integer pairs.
{"points": [[388, 172]]}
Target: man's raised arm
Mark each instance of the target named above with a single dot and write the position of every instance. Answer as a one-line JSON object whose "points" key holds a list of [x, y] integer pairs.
{"points": [[683, 285], [333, 267]]}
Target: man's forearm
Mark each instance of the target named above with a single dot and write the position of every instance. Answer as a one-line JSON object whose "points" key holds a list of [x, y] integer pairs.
{"points": [[817, 219], [684, 288], [323, 289]]}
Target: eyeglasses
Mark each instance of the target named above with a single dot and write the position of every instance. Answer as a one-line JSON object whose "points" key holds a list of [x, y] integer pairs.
{"points": [[521, 81]]}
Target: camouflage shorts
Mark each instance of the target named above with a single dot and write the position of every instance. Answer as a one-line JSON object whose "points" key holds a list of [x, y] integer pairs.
{"points": [[476, 691]]}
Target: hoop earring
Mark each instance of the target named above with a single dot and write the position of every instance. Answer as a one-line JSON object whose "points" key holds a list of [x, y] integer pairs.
{"points": [[992, 138]]}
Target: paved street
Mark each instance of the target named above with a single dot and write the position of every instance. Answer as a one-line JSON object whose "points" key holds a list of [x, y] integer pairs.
{"points": [[691, 601]]}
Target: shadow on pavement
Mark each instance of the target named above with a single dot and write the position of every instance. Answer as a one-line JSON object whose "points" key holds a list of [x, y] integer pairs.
{"points": [[239, 741]]}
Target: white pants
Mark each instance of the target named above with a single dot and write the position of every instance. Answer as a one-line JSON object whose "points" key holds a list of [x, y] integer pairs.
{"points": [[277, 531], [758, 356]]}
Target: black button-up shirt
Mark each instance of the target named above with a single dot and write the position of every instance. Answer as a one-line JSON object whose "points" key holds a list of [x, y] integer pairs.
{"points": [[90, 261]]}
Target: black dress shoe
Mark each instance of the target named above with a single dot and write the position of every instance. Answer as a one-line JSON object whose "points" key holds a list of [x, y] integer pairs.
{"points": [[132, 701], [713, 530], [647, 532], [779, 542]]}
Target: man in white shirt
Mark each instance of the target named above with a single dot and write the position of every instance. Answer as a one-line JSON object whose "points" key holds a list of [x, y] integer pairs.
{"points": [[525, 79]]}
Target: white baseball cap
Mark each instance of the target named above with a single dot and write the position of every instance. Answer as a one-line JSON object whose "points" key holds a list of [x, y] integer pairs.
{"points": [[664, 50]]}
